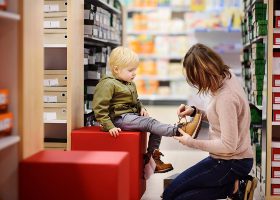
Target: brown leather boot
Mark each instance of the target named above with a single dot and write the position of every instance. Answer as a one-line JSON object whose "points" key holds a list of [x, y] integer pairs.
{"points": [[161, 167], [192, 127]]}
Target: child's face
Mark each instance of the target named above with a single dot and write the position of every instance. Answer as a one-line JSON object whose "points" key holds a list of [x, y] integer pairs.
{"points": [[126, 74]]}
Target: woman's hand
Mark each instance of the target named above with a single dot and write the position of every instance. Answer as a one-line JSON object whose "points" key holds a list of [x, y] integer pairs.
{"points": [[183, 139], [144, 112], [115, 131], [184, 110]]}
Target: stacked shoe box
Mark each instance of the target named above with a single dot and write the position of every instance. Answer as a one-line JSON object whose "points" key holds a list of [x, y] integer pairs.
{"points": [[55, 95], [55, 22], [95, 66], [5, 116], [101, 23], [276, 86], [275, 168]]}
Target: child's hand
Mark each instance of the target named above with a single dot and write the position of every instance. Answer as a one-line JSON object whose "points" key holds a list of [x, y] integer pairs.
{"points": [[115, 132], [184, 110], [183, 139], [144, 112]]}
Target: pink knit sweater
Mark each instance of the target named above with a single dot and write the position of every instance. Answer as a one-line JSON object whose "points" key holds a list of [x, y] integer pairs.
{"points": [[228, 114]]}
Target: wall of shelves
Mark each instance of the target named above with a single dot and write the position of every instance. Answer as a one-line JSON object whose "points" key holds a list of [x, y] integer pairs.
{"points": [[21, 72], [161, 33]]}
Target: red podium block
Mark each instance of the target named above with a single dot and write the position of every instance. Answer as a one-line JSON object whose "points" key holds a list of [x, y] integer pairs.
{"points": [[135, 143], [72, 175]]}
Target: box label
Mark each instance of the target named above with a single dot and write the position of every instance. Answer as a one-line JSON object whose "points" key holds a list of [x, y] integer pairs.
{"points": [[277, 99], [277, 83], [49, 115]]}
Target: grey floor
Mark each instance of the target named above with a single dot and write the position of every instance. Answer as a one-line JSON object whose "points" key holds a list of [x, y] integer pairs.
{"points": [[180, 156]]}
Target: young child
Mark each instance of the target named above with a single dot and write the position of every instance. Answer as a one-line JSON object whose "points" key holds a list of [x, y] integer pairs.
{"points": [[117, 107]]}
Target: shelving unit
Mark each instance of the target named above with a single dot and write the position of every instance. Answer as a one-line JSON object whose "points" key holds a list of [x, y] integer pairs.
{"points": [[21, 71], [155, 31], [103, 24], [254, 72], [64, 53]]}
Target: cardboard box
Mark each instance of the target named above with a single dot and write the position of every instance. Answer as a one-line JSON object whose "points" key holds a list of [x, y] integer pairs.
{"points": [[276, 80], [55, 97], [55, 6], [276, 38], [6, 123], [55, 111], [4, 101], [276, 115]]}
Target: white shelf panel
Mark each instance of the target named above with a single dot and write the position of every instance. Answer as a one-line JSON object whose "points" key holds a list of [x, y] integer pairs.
{"points": [[153, 56], [55, 121], [276, 46], [55, 45], [159, 78], [162, 97], [9, 15], [275, 123], [153, 9], [8, 141]]}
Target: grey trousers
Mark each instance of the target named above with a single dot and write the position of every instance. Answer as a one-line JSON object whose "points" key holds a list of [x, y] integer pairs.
{"points": [[134, 122]]}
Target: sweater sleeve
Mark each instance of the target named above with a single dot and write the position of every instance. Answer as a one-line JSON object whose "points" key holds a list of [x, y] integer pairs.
{"points": [[227, 111], [139, 103], [101, 102]]}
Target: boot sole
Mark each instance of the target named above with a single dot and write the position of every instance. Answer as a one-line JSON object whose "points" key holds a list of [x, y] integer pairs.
{"points": [[196, 131], [252, 189], [164, 170]]}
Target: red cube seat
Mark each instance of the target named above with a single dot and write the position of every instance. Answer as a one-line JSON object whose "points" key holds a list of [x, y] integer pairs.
{"points": [[72, 175], [135, 143]]}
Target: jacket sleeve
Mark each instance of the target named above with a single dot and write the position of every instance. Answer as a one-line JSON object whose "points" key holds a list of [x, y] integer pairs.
{"points": [[101, 102]]}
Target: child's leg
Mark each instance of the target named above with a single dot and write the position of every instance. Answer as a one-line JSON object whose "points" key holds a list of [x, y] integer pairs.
{"points": [[146, 124], [154, 142]]}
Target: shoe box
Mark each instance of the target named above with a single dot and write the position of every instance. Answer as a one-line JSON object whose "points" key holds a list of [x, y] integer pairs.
{"points": [[6, 117], [55, 95]]}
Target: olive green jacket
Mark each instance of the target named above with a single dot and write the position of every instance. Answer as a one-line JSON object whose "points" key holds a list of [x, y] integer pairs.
{"points": [[112, 98]]}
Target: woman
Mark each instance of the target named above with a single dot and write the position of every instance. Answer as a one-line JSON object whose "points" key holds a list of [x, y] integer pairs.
{"points": [[225, 171]]}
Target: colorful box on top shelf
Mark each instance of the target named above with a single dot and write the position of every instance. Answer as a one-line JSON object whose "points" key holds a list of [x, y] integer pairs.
{"points": [[4, 100]]}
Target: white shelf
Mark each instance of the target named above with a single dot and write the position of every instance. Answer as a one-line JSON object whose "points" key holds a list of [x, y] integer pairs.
{"points": [[153, 56], [179, 33], [8, 141], [275, 123], [153, 9], [55, 45], [163, 97], [276, 46], [55, 121], [9, 15], [158, 33], [159, 78]]}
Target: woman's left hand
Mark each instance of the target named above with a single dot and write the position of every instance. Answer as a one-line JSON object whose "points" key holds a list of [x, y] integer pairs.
{"points": [[184, 139], [144, 112]]}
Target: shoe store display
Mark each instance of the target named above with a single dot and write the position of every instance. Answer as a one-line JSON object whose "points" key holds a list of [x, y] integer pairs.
{"points": [[161, 167], [192, 127]]}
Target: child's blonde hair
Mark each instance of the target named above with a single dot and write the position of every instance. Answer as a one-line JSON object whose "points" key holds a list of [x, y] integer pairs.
{"points": [[123, 57]]}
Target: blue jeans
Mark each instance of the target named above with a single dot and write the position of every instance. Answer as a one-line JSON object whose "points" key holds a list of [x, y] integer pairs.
{"points": [[209, 179], [134, 122]]}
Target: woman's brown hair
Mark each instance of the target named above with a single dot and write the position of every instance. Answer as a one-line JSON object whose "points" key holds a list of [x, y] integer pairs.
{"points": [[205, 69]]}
